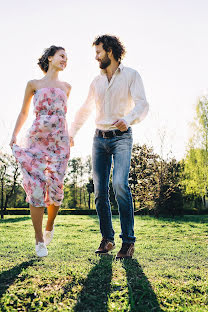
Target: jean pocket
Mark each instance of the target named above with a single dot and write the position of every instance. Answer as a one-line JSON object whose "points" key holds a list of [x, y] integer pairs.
{"points": [[127, 135]]}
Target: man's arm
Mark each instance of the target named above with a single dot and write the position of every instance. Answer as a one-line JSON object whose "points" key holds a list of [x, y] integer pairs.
{"points": [[82, 114], [139, 112]]}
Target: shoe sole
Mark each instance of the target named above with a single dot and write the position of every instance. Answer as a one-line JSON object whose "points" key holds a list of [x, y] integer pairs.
{"points": [[41, 256], [121, 258], [104, 252]]}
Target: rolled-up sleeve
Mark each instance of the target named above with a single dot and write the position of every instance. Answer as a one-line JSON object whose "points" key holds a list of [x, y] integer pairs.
{"points": [[83, 113], [141, 108]]}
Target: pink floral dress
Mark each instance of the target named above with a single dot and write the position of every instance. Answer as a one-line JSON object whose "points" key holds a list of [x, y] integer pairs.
{"points": [[44, 159]]}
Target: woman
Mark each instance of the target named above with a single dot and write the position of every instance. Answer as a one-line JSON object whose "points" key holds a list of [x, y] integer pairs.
{"points": [[44, 159]]}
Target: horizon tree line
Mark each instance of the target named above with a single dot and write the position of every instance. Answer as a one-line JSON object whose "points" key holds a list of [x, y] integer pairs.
{"points": [[158, 185]]}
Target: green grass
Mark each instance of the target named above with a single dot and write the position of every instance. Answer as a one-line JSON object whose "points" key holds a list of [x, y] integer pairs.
{"points": [[168, 273]]}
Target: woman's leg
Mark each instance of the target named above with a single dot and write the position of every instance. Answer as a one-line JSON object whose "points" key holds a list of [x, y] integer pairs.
{"points": [[37, 220], [52, 213]]}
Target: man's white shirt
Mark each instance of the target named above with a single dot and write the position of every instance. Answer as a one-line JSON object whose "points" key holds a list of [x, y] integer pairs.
{"points": [[121, 98]]}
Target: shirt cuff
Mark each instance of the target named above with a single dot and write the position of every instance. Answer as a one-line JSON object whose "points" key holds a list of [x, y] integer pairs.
{"points": [[72, 132], [126, 122]]}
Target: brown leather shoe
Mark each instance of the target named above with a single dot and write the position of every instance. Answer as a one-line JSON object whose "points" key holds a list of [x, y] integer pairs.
{"points": [[126, 251], [105, 246]]}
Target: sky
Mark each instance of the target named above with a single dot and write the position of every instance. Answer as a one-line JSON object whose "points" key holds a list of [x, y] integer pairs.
{"points": [[166, 42]]}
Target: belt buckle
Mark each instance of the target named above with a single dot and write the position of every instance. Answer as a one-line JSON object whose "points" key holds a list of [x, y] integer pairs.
{"points": [[109, 134], [104, 134]]}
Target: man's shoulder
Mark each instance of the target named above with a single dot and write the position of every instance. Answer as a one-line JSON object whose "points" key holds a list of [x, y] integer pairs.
{"points": [[131, 74], [97, 79], [130, 70]]}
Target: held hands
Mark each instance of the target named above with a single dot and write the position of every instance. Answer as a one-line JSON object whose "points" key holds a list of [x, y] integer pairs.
{"points": [[121, 124], [13, 140], [71, 141]]}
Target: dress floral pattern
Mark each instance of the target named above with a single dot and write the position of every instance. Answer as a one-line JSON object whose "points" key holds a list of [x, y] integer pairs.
{"points": [[44, 159]]}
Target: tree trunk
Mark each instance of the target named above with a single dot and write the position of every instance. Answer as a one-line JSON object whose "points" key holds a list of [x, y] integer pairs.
{"points": [[80, 196], [84, 195], [89, 201], [12, 189], [92, 203], [2, 199], [134, 202]]}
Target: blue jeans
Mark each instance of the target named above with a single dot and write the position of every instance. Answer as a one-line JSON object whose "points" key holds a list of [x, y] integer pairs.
{"points": [[119, 149]]}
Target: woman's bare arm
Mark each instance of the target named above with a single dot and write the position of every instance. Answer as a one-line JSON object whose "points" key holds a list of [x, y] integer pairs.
{"points": [[29, 91], [68, 87]]}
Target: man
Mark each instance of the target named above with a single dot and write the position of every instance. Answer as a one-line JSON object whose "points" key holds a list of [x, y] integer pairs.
{"points": [[119, 98]]}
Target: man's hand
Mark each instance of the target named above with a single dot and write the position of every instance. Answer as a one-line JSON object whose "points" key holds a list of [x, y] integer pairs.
{"points": [[71, 140], [121, 124]]}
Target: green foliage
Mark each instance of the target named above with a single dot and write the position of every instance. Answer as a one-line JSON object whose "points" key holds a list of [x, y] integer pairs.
{"points": [[195, 179], [78, 186], [170, 198], [195, 172], [155, 182], [9, 174], [142, 177]]}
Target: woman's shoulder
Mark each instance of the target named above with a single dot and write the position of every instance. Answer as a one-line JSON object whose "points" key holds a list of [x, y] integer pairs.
{"points": [[33, 84], [67, 87]]}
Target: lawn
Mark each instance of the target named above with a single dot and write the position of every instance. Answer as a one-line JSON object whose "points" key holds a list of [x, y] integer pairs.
{"points": [[169, 271]]}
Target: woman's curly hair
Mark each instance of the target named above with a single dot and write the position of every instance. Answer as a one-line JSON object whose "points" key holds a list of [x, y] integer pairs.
{"points": [[43, 60], [111, 43]]}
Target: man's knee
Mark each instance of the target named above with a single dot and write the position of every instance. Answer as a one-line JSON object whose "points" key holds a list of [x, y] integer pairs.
{"points": [[119, 186], [101, 194]]}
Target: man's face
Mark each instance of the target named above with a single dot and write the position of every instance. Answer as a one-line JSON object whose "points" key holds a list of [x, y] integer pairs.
{"points": [[102, 56]]}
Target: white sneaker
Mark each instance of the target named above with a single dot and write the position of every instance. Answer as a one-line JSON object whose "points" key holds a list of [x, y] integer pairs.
{"points": [[41, 249], [48, 236]]}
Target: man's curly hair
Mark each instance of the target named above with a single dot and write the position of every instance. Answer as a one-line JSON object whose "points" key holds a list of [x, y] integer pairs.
{"points": [[111, 43], [43, 60]]}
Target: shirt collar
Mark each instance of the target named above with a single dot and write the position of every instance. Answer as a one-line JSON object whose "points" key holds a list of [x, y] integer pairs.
{"points": [[120, 68]]}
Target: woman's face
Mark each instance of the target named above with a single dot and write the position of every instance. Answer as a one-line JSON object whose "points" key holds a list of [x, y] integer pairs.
{"points": [[59, 60]]}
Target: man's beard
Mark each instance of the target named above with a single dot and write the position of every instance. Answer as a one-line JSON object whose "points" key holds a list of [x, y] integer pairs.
{"points": [[105, 62]]}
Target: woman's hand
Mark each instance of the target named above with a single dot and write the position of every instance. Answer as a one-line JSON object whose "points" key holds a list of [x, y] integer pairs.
{"points": [[13, 140]]}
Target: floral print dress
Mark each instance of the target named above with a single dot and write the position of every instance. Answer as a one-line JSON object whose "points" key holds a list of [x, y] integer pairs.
{"points": [[44, 159]]}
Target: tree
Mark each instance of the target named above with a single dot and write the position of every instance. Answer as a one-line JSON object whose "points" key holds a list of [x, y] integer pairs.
{"points": [[89, 185], [78, 183], [169, 198], [9, 174], [73, 170], [196, 160], [143, 177], [90, 189], [155, 182]]}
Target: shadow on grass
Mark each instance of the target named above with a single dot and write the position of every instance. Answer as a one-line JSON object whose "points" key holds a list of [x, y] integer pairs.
{"points": [[96, 219], [8, 277], [96, 288], [194, 219], [185, 219], [141, 295], [12, 220]]}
